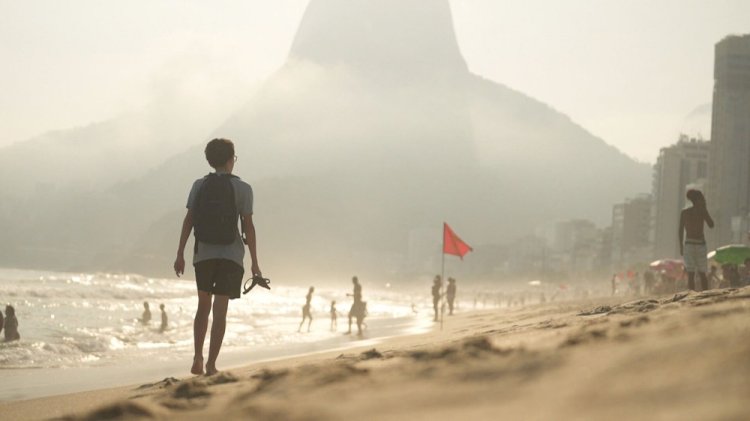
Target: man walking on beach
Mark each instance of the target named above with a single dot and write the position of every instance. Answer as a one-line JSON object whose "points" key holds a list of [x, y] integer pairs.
{"points": [[306, 312], [357, 309], [451, 295], [693, 248], [437, 286], [214, 205]]}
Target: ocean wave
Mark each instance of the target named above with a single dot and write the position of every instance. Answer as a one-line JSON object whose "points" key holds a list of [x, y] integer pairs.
{"points": [[75, 320]]}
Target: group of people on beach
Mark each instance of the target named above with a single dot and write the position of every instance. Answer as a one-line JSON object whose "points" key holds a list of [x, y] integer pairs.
{"points": [[9, 324], [663, 282], [438, 294], [732, 275], [218, 200], [145, 318], [694, 252], [358, 310]]}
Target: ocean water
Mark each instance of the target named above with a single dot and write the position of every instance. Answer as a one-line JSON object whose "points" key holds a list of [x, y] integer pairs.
{"points": [[90, 320]]}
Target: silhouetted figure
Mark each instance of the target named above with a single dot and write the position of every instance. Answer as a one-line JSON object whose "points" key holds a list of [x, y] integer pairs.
{"points": [[359, 307], [146, 316], [164, 321], [614, 284], [11, 324], [437, 285], [731, 275], [334, 316], [215, 204], [2, 321], [745, 272], [693, 248], [714, 280], [649, 282], [306, 313], [635, 284], [451, 294]]}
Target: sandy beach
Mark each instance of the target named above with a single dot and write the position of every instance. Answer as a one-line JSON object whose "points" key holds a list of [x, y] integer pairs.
{"points": [[683, 356]]}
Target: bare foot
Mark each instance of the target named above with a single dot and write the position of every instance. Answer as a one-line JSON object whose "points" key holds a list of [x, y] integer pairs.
{"points": [[211, 369], [197, 367]]}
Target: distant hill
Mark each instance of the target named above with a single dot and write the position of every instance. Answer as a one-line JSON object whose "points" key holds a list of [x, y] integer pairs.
{"points": [[371, 135]]}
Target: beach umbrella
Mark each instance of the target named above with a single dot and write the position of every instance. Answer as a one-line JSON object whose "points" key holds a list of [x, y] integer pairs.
{"points": [[733, 253], [672, 267]]}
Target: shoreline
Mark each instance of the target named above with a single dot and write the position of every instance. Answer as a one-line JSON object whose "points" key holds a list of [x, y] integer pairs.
{"points": [[671, 357], [30, 383]]}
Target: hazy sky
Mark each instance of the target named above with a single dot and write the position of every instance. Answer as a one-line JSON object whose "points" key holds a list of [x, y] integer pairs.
{"points": [[629, 71]]}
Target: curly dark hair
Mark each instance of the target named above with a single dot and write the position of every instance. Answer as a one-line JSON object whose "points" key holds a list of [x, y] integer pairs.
{"points": [[696, 197], [219, 152]]}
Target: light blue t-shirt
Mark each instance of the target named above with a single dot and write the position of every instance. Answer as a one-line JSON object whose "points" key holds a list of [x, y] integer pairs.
{"points": [[243, 196]]}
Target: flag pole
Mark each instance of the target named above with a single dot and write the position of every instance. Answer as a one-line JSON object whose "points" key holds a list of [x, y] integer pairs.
{"points": [[442, 279]]}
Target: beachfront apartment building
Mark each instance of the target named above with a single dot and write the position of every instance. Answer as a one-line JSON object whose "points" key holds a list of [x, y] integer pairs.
{"points": [[679, 167], [631, 232], [729, 165]]}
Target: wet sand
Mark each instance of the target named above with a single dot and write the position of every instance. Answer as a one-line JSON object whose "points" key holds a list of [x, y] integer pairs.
{"points": [[684, 356]]}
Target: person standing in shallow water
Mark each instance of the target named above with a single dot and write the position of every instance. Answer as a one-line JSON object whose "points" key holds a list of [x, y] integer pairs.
{"points": [[306, 313], [451, 294], [146, 316], [11, 324], [693, 245], [334, 316], [163, 318], [214, 205]]}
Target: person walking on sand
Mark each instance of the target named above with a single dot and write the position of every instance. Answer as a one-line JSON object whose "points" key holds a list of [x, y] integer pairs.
{"points": [[214, 205], [306, 313], [163, 318], [11, 324], [358, 309], [436, 287], [693, 246], [713, 277], [334, 316], [146, 316], [451, 294]]}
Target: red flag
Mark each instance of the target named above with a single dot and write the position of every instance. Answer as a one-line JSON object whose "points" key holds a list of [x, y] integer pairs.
{"points": [[452, 244]]}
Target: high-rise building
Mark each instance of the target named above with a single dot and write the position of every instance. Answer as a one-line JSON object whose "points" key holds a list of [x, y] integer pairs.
{"points": [[679, 167], [631, 228], [729, 183]]}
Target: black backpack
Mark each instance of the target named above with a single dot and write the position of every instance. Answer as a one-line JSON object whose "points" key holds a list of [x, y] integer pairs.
{"points": [[215, 213]]}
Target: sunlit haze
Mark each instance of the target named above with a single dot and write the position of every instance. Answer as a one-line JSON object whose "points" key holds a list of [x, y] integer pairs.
{"points": [[630, 72]]}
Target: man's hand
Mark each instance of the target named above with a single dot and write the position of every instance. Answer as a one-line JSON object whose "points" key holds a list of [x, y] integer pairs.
{"points": [[179, 265], [254, 269]]}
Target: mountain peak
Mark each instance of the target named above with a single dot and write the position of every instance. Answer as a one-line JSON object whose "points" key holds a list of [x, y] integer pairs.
{"points": [[378, 35]]}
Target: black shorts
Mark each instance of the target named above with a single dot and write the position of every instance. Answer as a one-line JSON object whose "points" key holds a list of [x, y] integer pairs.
{"points": [[219, 277]]}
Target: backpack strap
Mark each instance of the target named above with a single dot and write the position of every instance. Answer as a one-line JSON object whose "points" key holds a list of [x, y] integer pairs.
{"points": [[242, 221]]}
